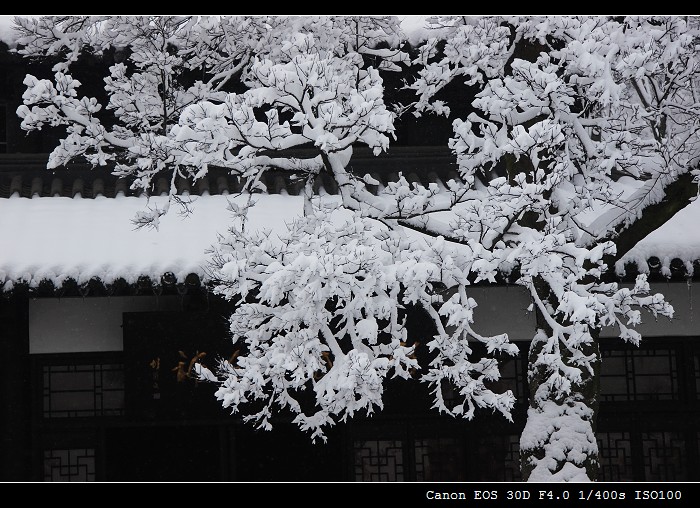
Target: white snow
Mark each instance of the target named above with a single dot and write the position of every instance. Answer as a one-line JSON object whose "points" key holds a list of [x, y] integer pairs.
{"points": [[677, 238], [56, 238], [59, 237], [414, 26]]}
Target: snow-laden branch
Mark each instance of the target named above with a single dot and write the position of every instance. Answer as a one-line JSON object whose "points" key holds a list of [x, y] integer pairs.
{"points": [[332, 283]]}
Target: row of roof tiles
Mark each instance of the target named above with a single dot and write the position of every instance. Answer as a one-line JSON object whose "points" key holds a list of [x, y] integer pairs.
{"points": [[215, 183], [26, 176]]}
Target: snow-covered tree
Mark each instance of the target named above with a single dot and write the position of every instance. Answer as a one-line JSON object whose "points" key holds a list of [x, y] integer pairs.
{"points": [[167, 64], [579, 127]]}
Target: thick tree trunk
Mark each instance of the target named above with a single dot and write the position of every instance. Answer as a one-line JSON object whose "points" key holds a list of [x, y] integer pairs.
{"points": [[558, 442]]}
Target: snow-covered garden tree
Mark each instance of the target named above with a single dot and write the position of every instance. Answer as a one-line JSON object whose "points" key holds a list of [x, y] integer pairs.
{"points": [[578, 129]]}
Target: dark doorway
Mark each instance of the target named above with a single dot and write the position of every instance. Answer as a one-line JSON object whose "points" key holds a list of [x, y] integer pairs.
{"points": [[160, 349], [288, 454], [163, 454]]}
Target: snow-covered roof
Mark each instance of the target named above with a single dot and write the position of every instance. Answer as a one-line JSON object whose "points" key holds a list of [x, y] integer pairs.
{"points": [[57, 238], [675, 246], [77, 226]]}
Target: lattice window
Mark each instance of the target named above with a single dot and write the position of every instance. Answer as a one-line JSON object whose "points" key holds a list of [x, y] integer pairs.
{"points": [[379, 461], [512, 466], [639, 374], [664, 456], [80, 390], [513, 377], [615, 455], [70, 465], [440, 459]]}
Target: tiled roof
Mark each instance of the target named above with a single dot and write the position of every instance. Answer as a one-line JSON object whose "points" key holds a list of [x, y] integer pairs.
{"points": [[25, 175], [153, 266], [72, 207]]}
